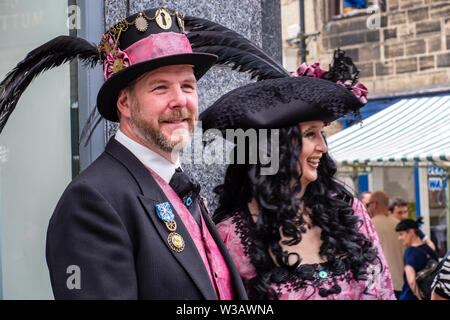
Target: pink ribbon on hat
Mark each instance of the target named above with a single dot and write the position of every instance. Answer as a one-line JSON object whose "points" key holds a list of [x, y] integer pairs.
{"points": [[359, 90], [310, 70], [314, 70], [152, 47]]}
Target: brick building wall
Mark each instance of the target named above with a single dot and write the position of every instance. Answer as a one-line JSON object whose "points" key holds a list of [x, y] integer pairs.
{"points": [[407, 52]]}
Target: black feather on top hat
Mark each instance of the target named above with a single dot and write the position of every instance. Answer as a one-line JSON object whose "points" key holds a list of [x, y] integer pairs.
{"points": [[309, 94], [127, 51]]}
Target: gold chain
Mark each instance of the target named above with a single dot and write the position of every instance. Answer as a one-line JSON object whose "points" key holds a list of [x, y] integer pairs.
{"points": [[122, 26]]}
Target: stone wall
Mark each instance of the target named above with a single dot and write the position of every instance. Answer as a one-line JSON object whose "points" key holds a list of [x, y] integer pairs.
{"points": [[408, 52], [258, 20]]}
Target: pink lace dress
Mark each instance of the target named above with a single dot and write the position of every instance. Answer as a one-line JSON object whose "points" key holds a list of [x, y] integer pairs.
{"points": [[313, 281]]}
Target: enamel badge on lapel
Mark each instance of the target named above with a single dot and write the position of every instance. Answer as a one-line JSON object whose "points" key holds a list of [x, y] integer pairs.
{"points": [[165, 213]]}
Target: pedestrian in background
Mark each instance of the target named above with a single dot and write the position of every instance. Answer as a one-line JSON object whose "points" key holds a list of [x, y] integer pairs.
{"points": [[399, 209], [385, 226], [414, 258]]}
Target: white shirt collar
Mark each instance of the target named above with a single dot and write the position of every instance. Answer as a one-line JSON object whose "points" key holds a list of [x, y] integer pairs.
{"points": [[163, 167]]}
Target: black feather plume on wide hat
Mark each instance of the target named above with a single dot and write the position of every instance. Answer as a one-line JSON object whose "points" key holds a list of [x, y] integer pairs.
{"points": [[277, 103]]}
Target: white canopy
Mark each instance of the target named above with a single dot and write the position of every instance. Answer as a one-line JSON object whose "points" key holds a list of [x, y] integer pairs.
{"points": [[413, 130]]}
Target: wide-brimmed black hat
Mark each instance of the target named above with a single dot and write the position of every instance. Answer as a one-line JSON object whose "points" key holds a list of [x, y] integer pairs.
{"points": [[140, 43], [309, 94], [278, 103]]}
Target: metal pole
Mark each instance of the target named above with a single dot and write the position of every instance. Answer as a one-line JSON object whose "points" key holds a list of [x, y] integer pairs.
{"points": [[356, 180], [302, 43]]}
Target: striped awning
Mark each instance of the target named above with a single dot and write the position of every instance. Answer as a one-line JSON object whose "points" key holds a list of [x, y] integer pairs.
{"points": [[411, 130]]}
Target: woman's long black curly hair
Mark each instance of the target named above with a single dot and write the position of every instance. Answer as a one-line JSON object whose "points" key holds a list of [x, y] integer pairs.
{"points": [[329, 202]]}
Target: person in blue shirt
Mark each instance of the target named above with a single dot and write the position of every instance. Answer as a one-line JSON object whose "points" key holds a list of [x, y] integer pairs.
{"points": [[399, 209], [414, 258]]}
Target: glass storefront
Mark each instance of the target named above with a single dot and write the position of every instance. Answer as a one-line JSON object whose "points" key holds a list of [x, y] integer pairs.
{"points": [[35, 148]]}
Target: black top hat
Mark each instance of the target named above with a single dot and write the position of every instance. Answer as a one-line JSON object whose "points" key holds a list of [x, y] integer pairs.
{"points": [[140, 43]]}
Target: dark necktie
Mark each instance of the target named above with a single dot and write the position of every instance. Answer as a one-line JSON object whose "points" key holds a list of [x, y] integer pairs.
{"points": [[188, 190]]}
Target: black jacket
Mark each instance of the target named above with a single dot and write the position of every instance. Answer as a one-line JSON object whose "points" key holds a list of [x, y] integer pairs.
{"points": [[106, 225]]}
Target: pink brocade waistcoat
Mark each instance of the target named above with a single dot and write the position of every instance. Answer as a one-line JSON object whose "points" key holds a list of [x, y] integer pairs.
{"points": [[206, 246]]}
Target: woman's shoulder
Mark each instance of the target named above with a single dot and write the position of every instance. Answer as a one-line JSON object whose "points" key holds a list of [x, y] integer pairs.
{"points": [[225, 226], [418, 251], [360, 211], [228, 221], [430, 251], [235, 235], [230, 226], [411, 250]]}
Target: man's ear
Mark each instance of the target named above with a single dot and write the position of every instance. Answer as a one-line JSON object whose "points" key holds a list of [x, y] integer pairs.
{"points": [[124, 103]]}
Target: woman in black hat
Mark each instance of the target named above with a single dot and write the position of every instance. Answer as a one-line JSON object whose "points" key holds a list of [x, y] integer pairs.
{"points": [[415, 257], [297, 234]]}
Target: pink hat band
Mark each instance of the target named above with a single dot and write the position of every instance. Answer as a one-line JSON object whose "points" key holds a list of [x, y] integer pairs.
{"points": [[152, 47]]}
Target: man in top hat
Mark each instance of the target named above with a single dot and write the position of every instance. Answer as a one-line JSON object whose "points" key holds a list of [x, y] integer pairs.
{"points": [[132, 226]]}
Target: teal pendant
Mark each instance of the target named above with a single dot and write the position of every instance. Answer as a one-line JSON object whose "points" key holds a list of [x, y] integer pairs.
{"points": [[323, 274]]}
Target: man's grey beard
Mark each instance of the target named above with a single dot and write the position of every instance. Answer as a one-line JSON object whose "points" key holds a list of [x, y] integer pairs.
{"points": [[153, 135], [156, 139]]}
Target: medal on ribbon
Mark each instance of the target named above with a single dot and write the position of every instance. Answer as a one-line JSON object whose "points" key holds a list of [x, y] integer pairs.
{"points": [[165, 213]]}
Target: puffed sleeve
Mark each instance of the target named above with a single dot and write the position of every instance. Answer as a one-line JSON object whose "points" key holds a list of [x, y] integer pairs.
{"points": [[380, 280], [232, 236]]}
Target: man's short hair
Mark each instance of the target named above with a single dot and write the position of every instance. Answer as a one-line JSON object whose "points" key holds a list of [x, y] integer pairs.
{"points": [[397, 202], [381, 197]]}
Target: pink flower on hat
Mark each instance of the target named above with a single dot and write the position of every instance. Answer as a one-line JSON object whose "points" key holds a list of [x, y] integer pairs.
{"points": [[114, 58], [115, 61], [314, 70], [359, 90], [310, 70]]}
